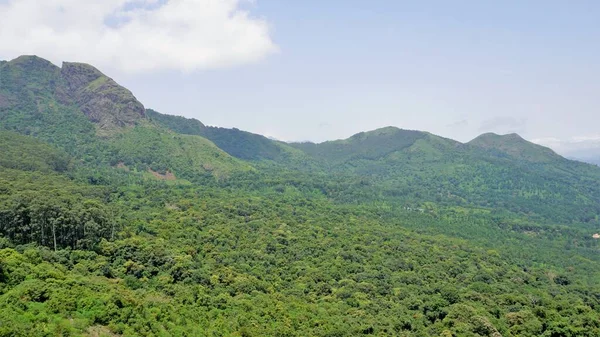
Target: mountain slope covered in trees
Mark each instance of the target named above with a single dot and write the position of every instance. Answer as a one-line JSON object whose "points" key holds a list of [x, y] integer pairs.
{"points": [[121, 221], [90, 116]]}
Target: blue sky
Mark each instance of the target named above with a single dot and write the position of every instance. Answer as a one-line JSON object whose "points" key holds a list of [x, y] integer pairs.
{"points": [[454, 68]]}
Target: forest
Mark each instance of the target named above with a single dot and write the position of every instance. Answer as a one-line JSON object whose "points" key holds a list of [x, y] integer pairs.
{"points": [[156, 225]]}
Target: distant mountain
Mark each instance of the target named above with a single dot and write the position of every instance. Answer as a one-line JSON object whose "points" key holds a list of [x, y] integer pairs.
{"points": [[365, 145], [590, 160], [588, 155], [492, 171], [513, 146], [96, 121], [238, 143]]}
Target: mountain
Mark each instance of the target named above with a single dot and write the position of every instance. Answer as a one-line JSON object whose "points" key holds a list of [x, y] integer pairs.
{"points": [[93, 118], [87, 114], [513, 146], [240, 144], [490, 172], [116, 220], [365, 145], [35, 86], [237, 143]]}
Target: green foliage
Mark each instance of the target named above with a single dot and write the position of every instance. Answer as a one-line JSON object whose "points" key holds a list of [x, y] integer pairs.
{"points": [[238, 143], [365, 145], [513, 146], [114, 225], [52, 211], [26, 153], [147, 147], [257, 263]]}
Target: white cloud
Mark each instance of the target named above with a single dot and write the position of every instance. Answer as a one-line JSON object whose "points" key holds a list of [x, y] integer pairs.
{"points": [[577, 146], [135, 36]]}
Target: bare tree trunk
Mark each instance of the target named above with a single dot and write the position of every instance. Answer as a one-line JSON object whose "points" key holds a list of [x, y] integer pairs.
{"points": [[43, 227], [54, 235], [112, 227]]}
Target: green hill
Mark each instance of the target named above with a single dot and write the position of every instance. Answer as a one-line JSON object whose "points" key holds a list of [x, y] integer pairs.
{"points": [[490, 172], [513, 146], [238, 143], [146, 147], [86, 113], [365, 145], [121, 221]]}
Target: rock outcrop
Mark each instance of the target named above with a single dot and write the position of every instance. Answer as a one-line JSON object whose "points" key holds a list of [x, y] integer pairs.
{"points": [[100, 98]]}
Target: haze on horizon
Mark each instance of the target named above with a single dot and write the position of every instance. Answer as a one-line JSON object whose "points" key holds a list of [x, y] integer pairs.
{"points": [[313, 71]]}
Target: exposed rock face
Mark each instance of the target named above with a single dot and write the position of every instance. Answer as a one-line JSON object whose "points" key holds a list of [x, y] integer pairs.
{"points": [[33, 84], [100, 98]]}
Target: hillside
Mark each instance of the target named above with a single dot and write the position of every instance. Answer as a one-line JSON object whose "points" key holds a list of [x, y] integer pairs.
{"points": [[240, 144], [34, 87], [513, 146], [121, 221], [491, 172], [186, 156], [365, 145], [29, 154], [94, 119]]}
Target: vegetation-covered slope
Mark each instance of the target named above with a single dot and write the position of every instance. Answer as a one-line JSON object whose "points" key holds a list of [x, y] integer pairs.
{"points": [[513, 146], [493, 172], [388, 233], [238, 143], [365, 145], [81, 110], [29, 154], [186, 156]]}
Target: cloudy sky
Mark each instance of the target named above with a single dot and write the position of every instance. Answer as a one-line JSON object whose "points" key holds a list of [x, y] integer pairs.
{"points": [[318, 70]]}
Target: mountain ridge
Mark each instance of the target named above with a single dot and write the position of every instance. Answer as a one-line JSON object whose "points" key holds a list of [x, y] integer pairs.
{"points": [[389, 162], [114, 223], [87, 113], [107, 104], [514, 145], [99, 96]]}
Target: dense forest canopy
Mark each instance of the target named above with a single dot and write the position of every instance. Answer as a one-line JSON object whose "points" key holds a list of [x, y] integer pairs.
{"points": [[121, 221]]}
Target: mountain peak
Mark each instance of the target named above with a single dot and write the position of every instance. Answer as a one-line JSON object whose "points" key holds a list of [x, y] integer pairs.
{"points": [[32, 60], [513, 145], [491, 139], [106, 103], [385, 132], [369, 145], [100, 98], [492, 135]]}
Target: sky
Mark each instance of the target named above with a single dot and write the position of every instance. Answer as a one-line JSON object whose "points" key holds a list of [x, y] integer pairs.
{"points": [[321, 70]]}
